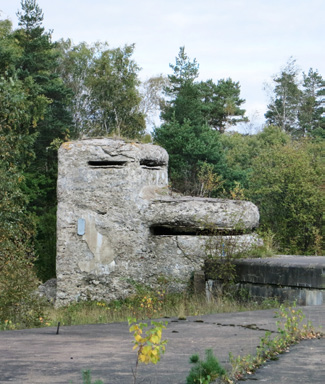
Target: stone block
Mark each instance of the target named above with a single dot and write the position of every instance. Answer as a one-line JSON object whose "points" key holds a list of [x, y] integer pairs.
{"points": [[117, 222]]}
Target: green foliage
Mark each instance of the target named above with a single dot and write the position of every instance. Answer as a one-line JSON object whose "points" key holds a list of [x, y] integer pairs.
{"points": [[189, 147], [38, 109], [17, 226], [184, 71], [291, 330], [221, 104], [240, 151], [284, 178], [217, 105], [205, 371], [7, 325], [45, 246], [86, 378], [17, 276], [298, 110], [32, 15], [114, 99], [104, 81], [193, 116], [311, 114], [208, 179], [286, 185]]}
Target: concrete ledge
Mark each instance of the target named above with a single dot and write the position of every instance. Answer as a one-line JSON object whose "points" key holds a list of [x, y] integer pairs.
{"points": [[302, 296], [292, 278], [288, 271]]}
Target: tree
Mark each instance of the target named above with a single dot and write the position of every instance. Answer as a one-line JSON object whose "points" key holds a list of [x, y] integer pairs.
{"points": [[183, 98], [194, 115], [75, 62], [31, 16], [298, 106], [189, 147], [284, 106], [241, 150], [217, 105], [312, 109], [184, 71], [114, 98], [105, 85], [286, 185], [152, 98], [38, 60], [17, 226], [221, 104], [29, 62]]}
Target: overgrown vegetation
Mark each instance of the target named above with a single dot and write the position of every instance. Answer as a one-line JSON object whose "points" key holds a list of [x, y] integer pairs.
{"points": [[86, 378], [174, 305], [205, 371], [51, 92], [291, 330], [223, 251], [146, 304], [286, 183]]}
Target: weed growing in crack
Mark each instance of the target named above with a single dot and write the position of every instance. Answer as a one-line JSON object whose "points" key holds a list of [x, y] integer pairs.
{"points": [[86, 378], [291, 330]]}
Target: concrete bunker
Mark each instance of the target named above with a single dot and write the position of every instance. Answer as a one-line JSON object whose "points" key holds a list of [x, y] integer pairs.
{"points": [[117, 221]]}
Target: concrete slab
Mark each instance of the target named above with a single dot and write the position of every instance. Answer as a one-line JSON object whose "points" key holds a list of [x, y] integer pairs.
{"points": [[283, 270], [288, 278], [40, 356]]}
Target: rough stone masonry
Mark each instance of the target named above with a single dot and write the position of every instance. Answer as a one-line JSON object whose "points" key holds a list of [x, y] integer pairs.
{"points": [[118, 223]]}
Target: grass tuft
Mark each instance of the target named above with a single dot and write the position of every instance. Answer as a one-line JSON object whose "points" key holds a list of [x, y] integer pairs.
{"points": [[149, 306]]}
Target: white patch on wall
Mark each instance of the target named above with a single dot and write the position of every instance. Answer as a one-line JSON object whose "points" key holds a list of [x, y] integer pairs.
{"points": [[100, 247]]}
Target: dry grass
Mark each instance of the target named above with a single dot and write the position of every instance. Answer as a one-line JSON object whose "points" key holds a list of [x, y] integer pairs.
{"points": [[147, 306]]}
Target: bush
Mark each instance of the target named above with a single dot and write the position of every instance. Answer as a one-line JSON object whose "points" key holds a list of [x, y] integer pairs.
{"points": [[286, 185], [206, 371]]}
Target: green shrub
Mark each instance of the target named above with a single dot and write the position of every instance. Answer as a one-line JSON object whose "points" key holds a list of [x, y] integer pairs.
{"points": [[86, 378], [204, 371]]}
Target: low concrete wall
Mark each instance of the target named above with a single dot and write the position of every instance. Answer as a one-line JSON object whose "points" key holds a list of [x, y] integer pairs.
{"points": [[293, 278], [302, 296], [289, 271]]}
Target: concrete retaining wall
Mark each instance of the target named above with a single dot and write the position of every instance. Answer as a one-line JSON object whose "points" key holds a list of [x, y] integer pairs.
{"points": [[293, 278]]}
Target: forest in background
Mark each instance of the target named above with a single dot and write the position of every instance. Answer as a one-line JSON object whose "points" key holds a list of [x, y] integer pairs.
{"points": [[51, 92]]}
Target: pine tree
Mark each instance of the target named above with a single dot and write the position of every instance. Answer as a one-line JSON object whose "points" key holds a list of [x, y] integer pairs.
{"points": [[284, 106], [194, 115], [312, 109], [37, 64], [296, 106]]}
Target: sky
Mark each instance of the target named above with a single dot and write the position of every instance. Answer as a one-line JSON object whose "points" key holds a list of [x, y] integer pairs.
{"points": [[246, 40]]}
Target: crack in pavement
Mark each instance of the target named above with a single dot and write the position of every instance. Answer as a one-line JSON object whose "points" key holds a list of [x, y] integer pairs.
{"points": [[252, 326]]}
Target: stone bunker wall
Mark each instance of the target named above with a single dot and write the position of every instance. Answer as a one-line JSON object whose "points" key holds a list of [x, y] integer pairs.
{"points": [[117, 222]]}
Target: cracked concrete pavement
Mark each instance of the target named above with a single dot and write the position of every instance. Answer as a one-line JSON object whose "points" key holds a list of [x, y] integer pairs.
{"points": [[41, 356]]}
